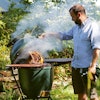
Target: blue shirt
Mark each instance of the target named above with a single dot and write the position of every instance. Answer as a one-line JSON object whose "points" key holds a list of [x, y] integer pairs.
{"points": [[85, 38]]}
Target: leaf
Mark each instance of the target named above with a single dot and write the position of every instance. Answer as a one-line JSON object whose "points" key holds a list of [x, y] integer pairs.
{"points": [[2, 24]]}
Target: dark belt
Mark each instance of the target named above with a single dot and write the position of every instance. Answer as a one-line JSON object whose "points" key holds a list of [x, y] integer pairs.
{"points": [[82, 71]]}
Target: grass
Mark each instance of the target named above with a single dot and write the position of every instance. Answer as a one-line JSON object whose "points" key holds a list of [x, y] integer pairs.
{"points": [[58, 92], [61, 93]]}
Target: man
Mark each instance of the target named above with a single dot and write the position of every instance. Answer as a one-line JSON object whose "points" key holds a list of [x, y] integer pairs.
{"points": [[86, 38]]}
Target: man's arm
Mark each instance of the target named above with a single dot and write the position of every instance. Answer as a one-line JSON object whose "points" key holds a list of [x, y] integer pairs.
{"points": [[44, 35], [96, 54]]}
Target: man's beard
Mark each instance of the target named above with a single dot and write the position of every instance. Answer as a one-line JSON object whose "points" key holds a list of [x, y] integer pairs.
{"points": [[78, 22]]}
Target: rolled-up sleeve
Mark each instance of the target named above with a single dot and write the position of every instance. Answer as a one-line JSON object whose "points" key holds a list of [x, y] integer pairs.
{"points": [[95, 36], [66, 35]]}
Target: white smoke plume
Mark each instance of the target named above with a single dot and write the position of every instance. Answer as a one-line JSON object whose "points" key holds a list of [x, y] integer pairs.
{"points": [[53, 19]]}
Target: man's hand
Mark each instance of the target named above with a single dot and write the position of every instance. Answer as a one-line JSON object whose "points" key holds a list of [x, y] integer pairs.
{"points": [[92, 69], [50, 34], [91, 72], [43, 35]]}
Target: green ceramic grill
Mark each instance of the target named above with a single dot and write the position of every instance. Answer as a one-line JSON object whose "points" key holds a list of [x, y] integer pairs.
{"points": [[32, 79]]}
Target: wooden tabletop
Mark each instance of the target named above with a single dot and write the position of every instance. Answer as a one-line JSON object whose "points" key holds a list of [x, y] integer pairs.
{"points": [[59, 61]]}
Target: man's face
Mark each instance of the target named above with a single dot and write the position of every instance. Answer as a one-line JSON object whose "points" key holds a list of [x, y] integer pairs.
{"points": [[75, 18]]}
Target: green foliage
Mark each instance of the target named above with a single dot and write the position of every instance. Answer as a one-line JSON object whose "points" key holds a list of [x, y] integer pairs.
{"points": [[2, 25], [62, 70], [67, 51], [4, 55], [11, 18], [8, 22], [26, 2], [10, 93]]}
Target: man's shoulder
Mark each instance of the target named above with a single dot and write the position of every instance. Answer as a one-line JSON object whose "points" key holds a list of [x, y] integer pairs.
{"points": [[93, 22]]}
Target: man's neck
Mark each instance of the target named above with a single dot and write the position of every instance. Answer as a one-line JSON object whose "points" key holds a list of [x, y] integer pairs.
{"points": [[84, 18]]}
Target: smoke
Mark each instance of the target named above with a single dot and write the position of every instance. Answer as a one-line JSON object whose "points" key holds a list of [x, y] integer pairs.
{"points": [[24, 46], [52, 18], [40, 45], [47, 18]]}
